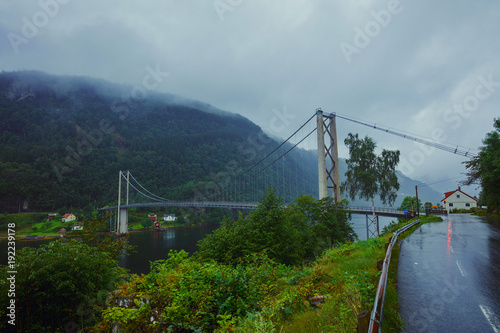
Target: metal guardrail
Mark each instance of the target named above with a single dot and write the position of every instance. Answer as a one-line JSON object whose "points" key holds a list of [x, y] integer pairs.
{"points": [[378, 308]]}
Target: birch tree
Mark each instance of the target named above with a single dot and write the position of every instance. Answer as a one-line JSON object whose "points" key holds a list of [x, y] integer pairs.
{"points": [[369, 174]]}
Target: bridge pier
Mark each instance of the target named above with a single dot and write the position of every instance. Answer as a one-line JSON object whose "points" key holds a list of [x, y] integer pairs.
{"points": [[122, 227], [328, 176], [122, 220], [369, 222]]}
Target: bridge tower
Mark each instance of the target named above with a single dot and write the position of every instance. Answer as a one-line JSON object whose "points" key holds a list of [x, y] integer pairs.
{"points": [[328, 175], [122, 213]]}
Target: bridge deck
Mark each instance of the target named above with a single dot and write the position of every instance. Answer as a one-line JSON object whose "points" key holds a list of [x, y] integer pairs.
{"points": [[381, 211]]}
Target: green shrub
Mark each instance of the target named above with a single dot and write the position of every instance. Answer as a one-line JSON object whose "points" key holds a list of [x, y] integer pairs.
{"points": [[56, 284], [146, 223], [184, 294], [289, 234]]}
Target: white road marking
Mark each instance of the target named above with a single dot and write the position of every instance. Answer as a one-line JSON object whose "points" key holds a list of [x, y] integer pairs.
{"points": [[492, 319], [462, 271], [451, 248]]}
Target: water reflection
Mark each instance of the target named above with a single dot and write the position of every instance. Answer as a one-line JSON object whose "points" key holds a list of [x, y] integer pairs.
{"points": [[169, 234], [155, 245], [449, 237]]}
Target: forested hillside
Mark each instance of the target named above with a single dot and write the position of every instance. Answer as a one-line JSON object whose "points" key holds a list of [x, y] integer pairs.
{"points": [[64, 139]]}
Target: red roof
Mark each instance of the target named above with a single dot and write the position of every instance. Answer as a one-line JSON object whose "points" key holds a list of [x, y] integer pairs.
{"points": [[447, 194], [67, 215]]}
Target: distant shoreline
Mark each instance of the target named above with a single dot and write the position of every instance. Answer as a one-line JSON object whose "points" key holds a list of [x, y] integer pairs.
{"points": [[27, 238]]}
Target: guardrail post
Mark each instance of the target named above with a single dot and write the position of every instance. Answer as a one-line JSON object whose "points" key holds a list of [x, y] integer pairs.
{"points": [[380, 263], [363, 322]]}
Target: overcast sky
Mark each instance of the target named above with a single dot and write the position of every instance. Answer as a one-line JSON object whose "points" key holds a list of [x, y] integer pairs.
{"points": [[430, 68]]}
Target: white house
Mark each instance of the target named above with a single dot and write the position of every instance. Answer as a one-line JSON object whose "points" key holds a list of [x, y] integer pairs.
{"points": [[78, 226], [169, 217], [458, 199]]}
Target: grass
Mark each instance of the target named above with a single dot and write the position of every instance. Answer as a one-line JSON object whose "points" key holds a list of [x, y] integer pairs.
{"points": [[347, 275]]}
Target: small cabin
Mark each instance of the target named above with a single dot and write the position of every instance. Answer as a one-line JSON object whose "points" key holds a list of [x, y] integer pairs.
{"points": [[152, 217], [157, 225]]}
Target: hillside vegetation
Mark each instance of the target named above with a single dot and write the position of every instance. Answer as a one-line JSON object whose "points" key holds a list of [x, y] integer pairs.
{"points": [[64, 139]]}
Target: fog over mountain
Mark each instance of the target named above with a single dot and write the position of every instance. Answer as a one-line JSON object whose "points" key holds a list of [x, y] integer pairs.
{"points": [[65, 138]]}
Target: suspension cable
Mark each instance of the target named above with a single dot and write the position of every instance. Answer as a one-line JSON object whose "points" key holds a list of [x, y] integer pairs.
{"points": [[283, 155], [441, 146], [262, 159], [163, 199], [147, 196]]}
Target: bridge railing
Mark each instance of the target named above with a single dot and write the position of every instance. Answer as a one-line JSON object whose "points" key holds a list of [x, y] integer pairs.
{"points": [[377, 209]]}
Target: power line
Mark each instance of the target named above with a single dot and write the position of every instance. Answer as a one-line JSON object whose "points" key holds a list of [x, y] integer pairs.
{"points": [[440, 181]]}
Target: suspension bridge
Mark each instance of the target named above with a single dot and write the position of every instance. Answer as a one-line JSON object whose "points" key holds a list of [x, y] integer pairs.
{"points": [[241, 188]]}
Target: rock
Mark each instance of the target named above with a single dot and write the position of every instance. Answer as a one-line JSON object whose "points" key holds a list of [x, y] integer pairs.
{"points": [[317, 300]]}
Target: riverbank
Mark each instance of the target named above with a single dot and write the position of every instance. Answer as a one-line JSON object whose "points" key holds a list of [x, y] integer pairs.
{"points": [[36, 226], [70, 234]]}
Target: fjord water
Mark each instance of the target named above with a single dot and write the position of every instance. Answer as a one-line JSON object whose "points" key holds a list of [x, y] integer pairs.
{"points": [[155, 245]]}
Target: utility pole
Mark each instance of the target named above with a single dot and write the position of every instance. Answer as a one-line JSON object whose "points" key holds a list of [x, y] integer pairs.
{"points": [[418, 206], [331, 174]]}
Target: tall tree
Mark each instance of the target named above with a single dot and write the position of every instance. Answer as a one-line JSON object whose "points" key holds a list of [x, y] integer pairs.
{"points": [[410, 203], [484, 169], [369, 174]]}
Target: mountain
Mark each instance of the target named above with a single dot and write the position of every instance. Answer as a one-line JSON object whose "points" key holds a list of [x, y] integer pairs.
{"points": [[64, 139]]}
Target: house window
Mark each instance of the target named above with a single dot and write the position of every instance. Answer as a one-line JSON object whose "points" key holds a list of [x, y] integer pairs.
{"points": [[467, 204], [458, 195], [450, 204]]}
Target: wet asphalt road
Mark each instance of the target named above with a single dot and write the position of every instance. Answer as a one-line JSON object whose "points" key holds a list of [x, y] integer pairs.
{"points": [[449, 276]]}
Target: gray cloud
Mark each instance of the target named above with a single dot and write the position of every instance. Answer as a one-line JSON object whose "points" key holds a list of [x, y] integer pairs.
{"points": [[269, 55]]}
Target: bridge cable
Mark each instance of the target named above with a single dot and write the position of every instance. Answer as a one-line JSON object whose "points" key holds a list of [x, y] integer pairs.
{"points": [[146, 189], [147, 196], [283, 155], [262, 159], [441, 146]]}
